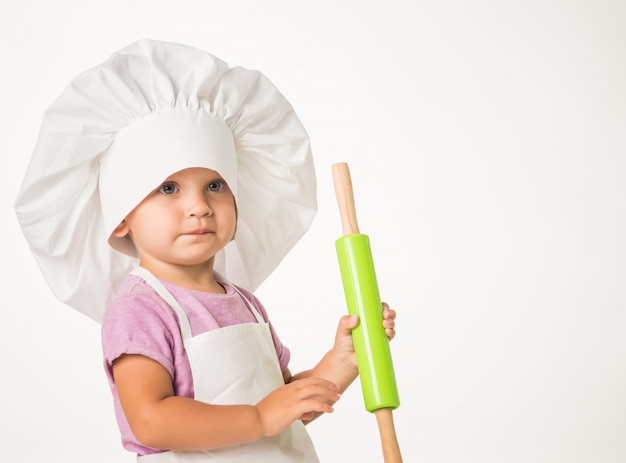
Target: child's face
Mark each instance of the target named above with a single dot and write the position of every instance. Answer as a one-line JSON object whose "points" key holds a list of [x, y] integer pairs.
{"points": [[185, 221]]}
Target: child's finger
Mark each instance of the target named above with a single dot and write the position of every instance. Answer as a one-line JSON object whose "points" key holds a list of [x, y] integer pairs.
{"points": [[389, 321], [347, 323]]}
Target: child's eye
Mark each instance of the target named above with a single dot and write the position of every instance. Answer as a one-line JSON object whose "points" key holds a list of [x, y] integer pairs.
{"points": [[168, 188], [215, 185]]}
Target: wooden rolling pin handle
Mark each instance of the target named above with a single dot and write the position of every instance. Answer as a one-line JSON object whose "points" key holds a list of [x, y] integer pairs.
{"points": [[345, 198], [388, 438]]}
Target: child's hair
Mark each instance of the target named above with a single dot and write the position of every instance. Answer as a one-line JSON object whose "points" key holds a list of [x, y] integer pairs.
{"points": [[120, 128]]}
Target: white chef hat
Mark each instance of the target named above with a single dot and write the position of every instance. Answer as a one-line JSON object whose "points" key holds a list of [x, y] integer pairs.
{"points": [[121, 128]]}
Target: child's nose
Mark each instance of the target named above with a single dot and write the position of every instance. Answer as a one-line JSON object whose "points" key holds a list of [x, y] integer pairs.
{"points": [[198, 206]]}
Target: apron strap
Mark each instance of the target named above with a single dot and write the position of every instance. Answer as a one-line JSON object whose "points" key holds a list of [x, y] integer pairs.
{"points": [[250, 305], [185, 327]]}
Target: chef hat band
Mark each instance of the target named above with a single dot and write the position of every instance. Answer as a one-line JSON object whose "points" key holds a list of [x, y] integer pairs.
{"points": [[122, 127], [171, 140]]}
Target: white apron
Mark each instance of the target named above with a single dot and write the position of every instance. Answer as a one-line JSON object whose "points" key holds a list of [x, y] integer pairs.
{"points": [[247, 369]]}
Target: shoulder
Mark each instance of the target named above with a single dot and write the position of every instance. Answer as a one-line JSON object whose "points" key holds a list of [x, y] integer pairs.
{"points": [[138, 306], [247, 294], [250, 297]]}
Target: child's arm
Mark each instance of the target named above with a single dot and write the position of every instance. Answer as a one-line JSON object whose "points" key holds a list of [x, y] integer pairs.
{"points": [[339, 365], [161, 420]]}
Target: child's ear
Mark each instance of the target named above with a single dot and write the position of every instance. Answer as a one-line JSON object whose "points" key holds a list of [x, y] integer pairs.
{"points": [[121, 230]]}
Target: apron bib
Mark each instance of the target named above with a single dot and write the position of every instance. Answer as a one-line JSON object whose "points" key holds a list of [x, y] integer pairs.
{"points": [[234, 365]]}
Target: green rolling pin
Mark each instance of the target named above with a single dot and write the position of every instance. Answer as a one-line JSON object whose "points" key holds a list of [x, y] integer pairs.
{"points": [[378, 382]]}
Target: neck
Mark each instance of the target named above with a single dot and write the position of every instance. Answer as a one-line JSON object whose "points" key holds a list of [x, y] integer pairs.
{"points": [[197, 277]]}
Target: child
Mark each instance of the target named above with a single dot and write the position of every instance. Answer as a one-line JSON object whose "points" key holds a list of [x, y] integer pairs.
{"points": [[196, 179]]}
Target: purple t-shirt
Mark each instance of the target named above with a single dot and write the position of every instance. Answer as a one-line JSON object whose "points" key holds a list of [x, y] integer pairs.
{"points": [[140, 322]]}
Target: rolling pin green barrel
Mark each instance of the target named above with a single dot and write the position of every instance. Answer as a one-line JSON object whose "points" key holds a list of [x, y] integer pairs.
{"points": [[371, 344]]}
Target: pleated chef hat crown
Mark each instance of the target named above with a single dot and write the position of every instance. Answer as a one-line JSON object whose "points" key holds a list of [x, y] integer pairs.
{"points": [[121, 128]]}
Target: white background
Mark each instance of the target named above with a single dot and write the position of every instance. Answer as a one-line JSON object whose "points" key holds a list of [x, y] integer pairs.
{"points": [[487, 143]]}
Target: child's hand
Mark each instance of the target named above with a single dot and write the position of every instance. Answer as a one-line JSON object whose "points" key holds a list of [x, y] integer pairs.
{"points": [[339, 365], [302, 399], [343, 339]]}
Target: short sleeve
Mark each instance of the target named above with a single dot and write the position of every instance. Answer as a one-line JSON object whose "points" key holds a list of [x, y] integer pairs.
{"points": [[142, 325]]}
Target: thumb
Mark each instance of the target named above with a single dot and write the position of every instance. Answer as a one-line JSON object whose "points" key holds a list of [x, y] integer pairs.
{"points": [[343, 338], [347, 323]]}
